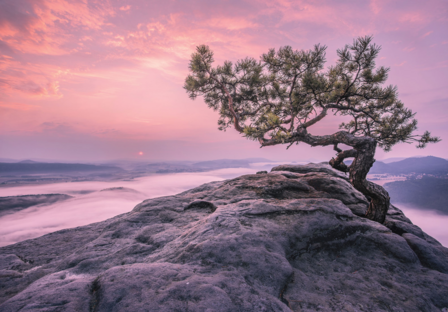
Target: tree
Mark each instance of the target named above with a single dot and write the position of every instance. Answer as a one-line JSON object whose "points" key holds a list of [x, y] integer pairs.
{"points": [[277, 99]]}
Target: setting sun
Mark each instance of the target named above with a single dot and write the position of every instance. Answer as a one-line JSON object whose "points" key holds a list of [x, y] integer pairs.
{"points": [[140, 153]]}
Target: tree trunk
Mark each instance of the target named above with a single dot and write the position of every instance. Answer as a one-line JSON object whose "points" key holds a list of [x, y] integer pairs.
{"points": [[363, 160], [363, 152]]}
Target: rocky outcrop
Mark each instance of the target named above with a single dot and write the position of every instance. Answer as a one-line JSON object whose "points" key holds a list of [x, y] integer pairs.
{"points": [[294, 239]]}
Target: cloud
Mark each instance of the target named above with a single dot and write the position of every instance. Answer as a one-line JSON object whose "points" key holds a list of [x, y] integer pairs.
{"points": [[45, 26], [29, 79], [412, 17], [427, 34], [230, 23], [57, 128], [104, 64], [376, 6], [409, 49], [19, 106]]}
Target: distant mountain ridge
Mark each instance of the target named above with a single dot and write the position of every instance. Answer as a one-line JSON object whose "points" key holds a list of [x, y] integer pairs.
{"points": [[419, 165], [35, 167], [426, 193]]}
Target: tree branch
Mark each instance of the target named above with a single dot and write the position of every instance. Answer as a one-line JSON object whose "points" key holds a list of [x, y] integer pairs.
{"points": [[319, 117], [338, 162]]}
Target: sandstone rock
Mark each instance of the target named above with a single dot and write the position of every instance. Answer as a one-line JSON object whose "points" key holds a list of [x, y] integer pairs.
{"points": [[289, 240], [433, 257]]}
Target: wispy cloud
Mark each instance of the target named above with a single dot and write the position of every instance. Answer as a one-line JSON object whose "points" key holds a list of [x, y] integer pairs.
{"points": [[45, 26], [19, 106], [100, 63], [409, 49], [427, 34]]}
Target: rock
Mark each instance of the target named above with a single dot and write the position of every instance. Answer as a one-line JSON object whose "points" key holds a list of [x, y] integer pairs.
{"points": [[433, 257], [400, 227], [322, 167], [289, 240]]}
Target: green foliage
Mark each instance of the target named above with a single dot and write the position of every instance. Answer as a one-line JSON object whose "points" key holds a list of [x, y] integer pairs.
{"points": [[287, 89]]}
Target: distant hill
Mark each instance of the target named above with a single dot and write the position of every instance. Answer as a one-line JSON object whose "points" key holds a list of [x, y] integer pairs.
{"points": [[418, 165], [425, 193], [392, 159], [35, 168], [27, 161]]}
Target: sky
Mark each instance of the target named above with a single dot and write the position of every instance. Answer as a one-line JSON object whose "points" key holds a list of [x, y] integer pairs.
{"points": [[86, 80]]}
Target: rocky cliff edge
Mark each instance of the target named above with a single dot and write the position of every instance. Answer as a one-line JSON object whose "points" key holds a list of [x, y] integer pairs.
{"points": [[290, 240]]}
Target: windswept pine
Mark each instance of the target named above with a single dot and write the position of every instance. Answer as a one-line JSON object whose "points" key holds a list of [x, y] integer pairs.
{"points": [[277, 99]]}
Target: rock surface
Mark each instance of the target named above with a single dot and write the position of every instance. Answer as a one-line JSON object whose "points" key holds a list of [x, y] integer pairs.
{"points": [[290, 240]]}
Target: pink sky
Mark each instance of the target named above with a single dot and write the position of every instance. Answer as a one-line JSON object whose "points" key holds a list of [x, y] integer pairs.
{"points": [[84, 80]]}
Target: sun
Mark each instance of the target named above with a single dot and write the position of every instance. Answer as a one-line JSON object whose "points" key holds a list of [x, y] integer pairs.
{"points": [[140, 153]]}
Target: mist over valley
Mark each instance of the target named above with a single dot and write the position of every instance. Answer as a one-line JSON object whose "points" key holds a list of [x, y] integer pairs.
{"points": [[31, 207], [38, 198]]}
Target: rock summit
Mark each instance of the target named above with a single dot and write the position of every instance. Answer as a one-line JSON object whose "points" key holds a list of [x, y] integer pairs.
{"points": [[294, 239]]}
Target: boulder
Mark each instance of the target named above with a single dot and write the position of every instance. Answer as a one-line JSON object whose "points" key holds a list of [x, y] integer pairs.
{"points": [[294, 239]]}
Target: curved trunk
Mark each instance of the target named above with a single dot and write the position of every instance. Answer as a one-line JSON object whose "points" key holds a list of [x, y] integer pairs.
{"points": [[363, 160], [363, 152], [379, 197]]}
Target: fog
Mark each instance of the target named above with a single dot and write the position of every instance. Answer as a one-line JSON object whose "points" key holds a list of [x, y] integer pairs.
{"points": [[430, 221], [89, 204], [92, 202]]}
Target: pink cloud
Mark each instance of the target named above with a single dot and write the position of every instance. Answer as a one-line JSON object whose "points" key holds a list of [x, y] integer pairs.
{"points": [[44, 26], [375, 6], [28, 79], [230, 23], [18, 106], [427, 34], [409, 49], [101, 65], [401, 64], [412, 17]]}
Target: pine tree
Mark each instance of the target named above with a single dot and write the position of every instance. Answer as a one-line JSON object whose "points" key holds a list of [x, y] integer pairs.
{"points": [[277, 99]]}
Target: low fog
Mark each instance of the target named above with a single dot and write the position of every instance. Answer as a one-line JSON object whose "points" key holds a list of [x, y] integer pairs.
{"points": [[95, 201], [90, 204], [430, 221]]}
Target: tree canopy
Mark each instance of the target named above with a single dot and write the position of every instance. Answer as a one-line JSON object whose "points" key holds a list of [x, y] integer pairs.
{"points": [[275, 99]]}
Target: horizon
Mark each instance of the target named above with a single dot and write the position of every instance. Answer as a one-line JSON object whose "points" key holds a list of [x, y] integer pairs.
{"points": [[99, 81], [131, 160]]}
